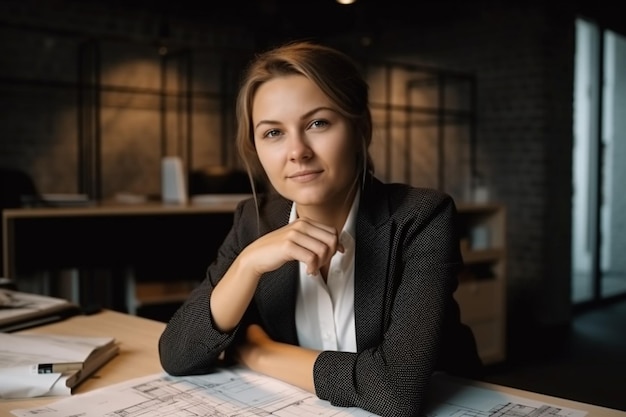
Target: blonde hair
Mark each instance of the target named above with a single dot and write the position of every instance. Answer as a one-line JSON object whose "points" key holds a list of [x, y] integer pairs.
{"points": [[331, 70]]}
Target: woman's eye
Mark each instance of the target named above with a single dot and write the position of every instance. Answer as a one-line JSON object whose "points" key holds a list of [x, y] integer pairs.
{"points": [[316, 124], [272, 133]]}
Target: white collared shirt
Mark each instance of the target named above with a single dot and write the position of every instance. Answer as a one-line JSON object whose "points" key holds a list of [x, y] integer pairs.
{"points": [[325, 310]]}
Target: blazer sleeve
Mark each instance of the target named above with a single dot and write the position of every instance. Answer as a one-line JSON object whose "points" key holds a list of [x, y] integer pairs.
{"points": [[392, 377], [190, 343]]}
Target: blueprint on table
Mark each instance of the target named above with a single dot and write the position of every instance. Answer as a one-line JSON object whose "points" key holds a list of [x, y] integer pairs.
{"points": [[243, 393], [452, 398], [229, 392]]}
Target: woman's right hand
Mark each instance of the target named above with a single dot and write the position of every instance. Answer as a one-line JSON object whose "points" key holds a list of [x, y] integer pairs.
{"points": [[303, 240]]}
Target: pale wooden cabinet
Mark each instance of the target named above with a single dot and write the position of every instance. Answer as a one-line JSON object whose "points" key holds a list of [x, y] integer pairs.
{"points": [[482, 284]]}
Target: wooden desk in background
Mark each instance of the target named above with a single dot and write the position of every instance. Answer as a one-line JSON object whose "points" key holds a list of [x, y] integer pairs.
{"points": [[139, 357], [160, 241]]}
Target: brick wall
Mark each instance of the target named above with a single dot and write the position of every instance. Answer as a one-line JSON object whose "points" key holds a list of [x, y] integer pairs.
{"points": [[86, 90]]}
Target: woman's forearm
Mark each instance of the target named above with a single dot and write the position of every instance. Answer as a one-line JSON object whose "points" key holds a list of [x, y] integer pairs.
{"points": [[231, 297], [289, 363]]}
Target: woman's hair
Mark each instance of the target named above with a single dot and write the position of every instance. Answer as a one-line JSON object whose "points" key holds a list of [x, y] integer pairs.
{"points": [[331, 70]]}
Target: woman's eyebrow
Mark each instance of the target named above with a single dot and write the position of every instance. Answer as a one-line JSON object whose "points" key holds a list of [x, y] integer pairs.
{"points": [[269, 122], [315, 110], [304, 116]]}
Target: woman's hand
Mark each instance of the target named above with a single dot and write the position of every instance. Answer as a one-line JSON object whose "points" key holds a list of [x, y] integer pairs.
{"points": [[250, 353], [303, 240], [289, 363]]}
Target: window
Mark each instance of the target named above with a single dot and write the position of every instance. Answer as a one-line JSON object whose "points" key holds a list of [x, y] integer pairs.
{"points": [[599, 200]]}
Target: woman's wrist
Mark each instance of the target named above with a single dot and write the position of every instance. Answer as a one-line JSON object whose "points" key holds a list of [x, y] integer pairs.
{"points": [[232, 295]]}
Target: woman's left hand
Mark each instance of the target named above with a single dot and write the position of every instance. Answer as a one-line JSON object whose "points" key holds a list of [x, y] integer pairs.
{"points": [[290, 363], [257, 343]]}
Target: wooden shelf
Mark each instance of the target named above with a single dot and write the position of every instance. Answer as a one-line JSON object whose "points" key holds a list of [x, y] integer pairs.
{"points": [[142, 294], [482, 284]]}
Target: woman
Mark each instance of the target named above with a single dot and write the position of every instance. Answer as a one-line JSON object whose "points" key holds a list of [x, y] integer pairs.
{"points": [[334, 282]]}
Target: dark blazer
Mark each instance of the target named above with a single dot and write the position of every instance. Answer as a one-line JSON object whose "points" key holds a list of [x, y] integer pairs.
{"points": [[407, 321]]}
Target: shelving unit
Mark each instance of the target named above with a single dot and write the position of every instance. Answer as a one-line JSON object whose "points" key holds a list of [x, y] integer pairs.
{"points": [[482, 288], [145, 294]]}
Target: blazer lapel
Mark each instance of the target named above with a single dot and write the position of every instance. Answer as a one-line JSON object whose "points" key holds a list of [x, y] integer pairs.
{"points": [[372, 252]]}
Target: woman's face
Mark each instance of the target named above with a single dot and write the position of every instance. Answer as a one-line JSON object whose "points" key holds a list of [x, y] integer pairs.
{"points": [[305, 146]]}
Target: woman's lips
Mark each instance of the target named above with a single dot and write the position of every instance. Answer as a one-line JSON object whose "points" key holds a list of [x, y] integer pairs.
{"points": [[305, 176]]}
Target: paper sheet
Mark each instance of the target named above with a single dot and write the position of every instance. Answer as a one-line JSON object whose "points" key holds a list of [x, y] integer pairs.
{"points": [[18, 352], [15, 303], [19, 382], [237, 391], [450, 398]]}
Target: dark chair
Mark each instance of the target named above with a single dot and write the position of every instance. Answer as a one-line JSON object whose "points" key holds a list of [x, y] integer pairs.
{"points": [[17, 189]]}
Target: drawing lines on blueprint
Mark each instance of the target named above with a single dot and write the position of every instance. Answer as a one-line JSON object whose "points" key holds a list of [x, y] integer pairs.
{"points": [[509, 409], [239, 392], [521, 410], [240, 395], [449, 398]]}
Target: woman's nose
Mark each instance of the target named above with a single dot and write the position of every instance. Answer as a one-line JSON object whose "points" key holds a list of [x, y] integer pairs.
{"points": [[299, 149]]}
